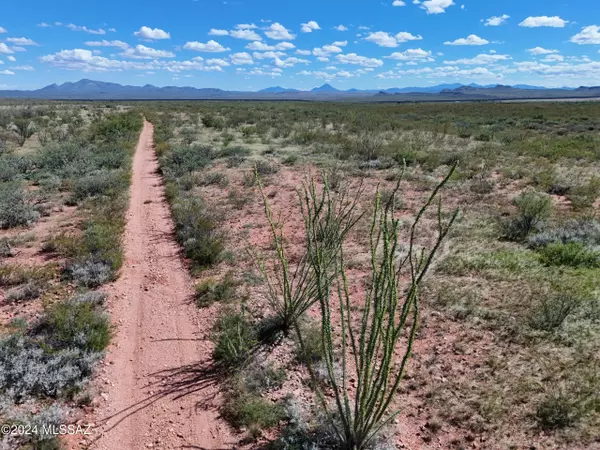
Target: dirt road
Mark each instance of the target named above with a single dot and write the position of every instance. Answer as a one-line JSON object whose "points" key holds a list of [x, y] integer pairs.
{"points": [[157, 390]]}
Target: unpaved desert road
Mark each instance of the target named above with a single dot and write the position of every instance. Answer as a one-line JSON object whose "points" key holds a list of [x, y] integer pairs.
{"points": [[155, 386]]}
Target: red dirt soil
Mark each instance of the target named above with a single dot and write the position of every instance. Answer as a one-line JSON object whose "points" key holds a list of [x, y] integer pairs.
{"points": [[156, 386]]}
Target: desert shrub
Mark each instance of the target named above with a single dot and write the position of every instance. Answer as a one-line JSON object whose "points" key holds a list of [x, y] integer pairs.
{"points": [[27, 369], [552, 309], [556, 410], [235, 161], [249, 179], [238, 199], [5, 248], [188, 135], [13, 275], [311, 350], [244, 406], [28, 291], [368, 146], [103, 182], [214, 178], [251, 411], [77, 324], [583, 231], [44, 422], [290, 159], [235, 338], [248, 130], [14, 166], [263, 168], [389, 195], [117, 127], [94, 298], [44, 136], [89, 273], [584, 195], [23, 129], [211, 291], [212, 121], [405, 157], [67, 160], [532, 210], [236, 151], [573, 254], [183, 160], [197, 231], [15, 208]]}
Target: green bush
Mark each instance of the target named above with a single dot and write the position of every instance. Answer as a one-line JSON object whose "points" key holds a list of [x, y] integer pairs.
{"points": [[103, 182], [197, 231], [572, 254], [237, 151], [211, 121], [15, 208], [532, 210], [235, 338], [211, 291], [76, 324], [557, 410], [253, 412], [183, 160], [552, 310]]}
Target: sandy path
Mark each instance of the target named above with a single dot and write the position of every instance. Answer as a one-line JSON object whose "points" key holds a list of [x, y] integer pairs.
{"points": [[156, 393]]}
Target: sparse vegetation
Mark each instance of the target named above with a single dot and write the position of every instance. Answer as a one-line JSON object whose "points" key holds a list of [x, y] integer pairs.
{"points": [[508, 341]]}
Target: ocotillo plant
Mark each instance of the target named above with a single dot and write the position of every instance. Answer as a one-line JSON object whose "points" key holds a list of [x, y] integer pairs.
{"points": [[328, 217], [390, 308]]}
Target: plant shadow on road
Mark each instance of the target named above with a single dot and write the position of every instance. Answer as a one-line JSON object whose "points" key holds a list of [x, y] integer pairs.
{"points": [[176, 383]]}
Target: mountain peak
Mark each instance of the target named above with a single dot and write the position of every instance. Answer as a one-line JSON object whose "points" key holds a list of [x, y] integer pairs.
{"points": [[325, 88]]}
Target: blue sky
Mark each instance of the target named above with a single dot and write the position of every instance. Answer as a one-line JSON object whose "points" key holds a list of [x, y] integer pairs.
{"points": [[253, 44]]}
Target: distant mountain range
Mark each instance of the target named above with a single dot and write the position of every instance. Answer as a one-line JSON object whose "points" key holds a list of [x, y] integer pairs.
{"points": [[99, 90]]}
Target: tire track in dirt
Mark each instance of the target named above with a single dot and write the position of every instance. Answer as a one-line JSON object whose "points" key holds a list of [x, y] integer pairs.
{"points": [[157, 387]]}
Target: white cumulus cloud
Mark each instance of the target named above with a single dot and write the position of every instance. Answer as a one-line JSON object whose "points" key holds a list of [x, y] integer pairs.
{"points": [[435, 6], [589, 35], [245, 33], [143, 52], [4, 49], [496, 20], [85, 29], [472, 39], [152, 34], [310, 26], [544, 21], [341, 28], [482, 59], [413, 54], [541, 51], [209, 47], [382, 39], [21, 41], [241, 58], [278, 32], [353, 58], [215, 32], [105, 43]]}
